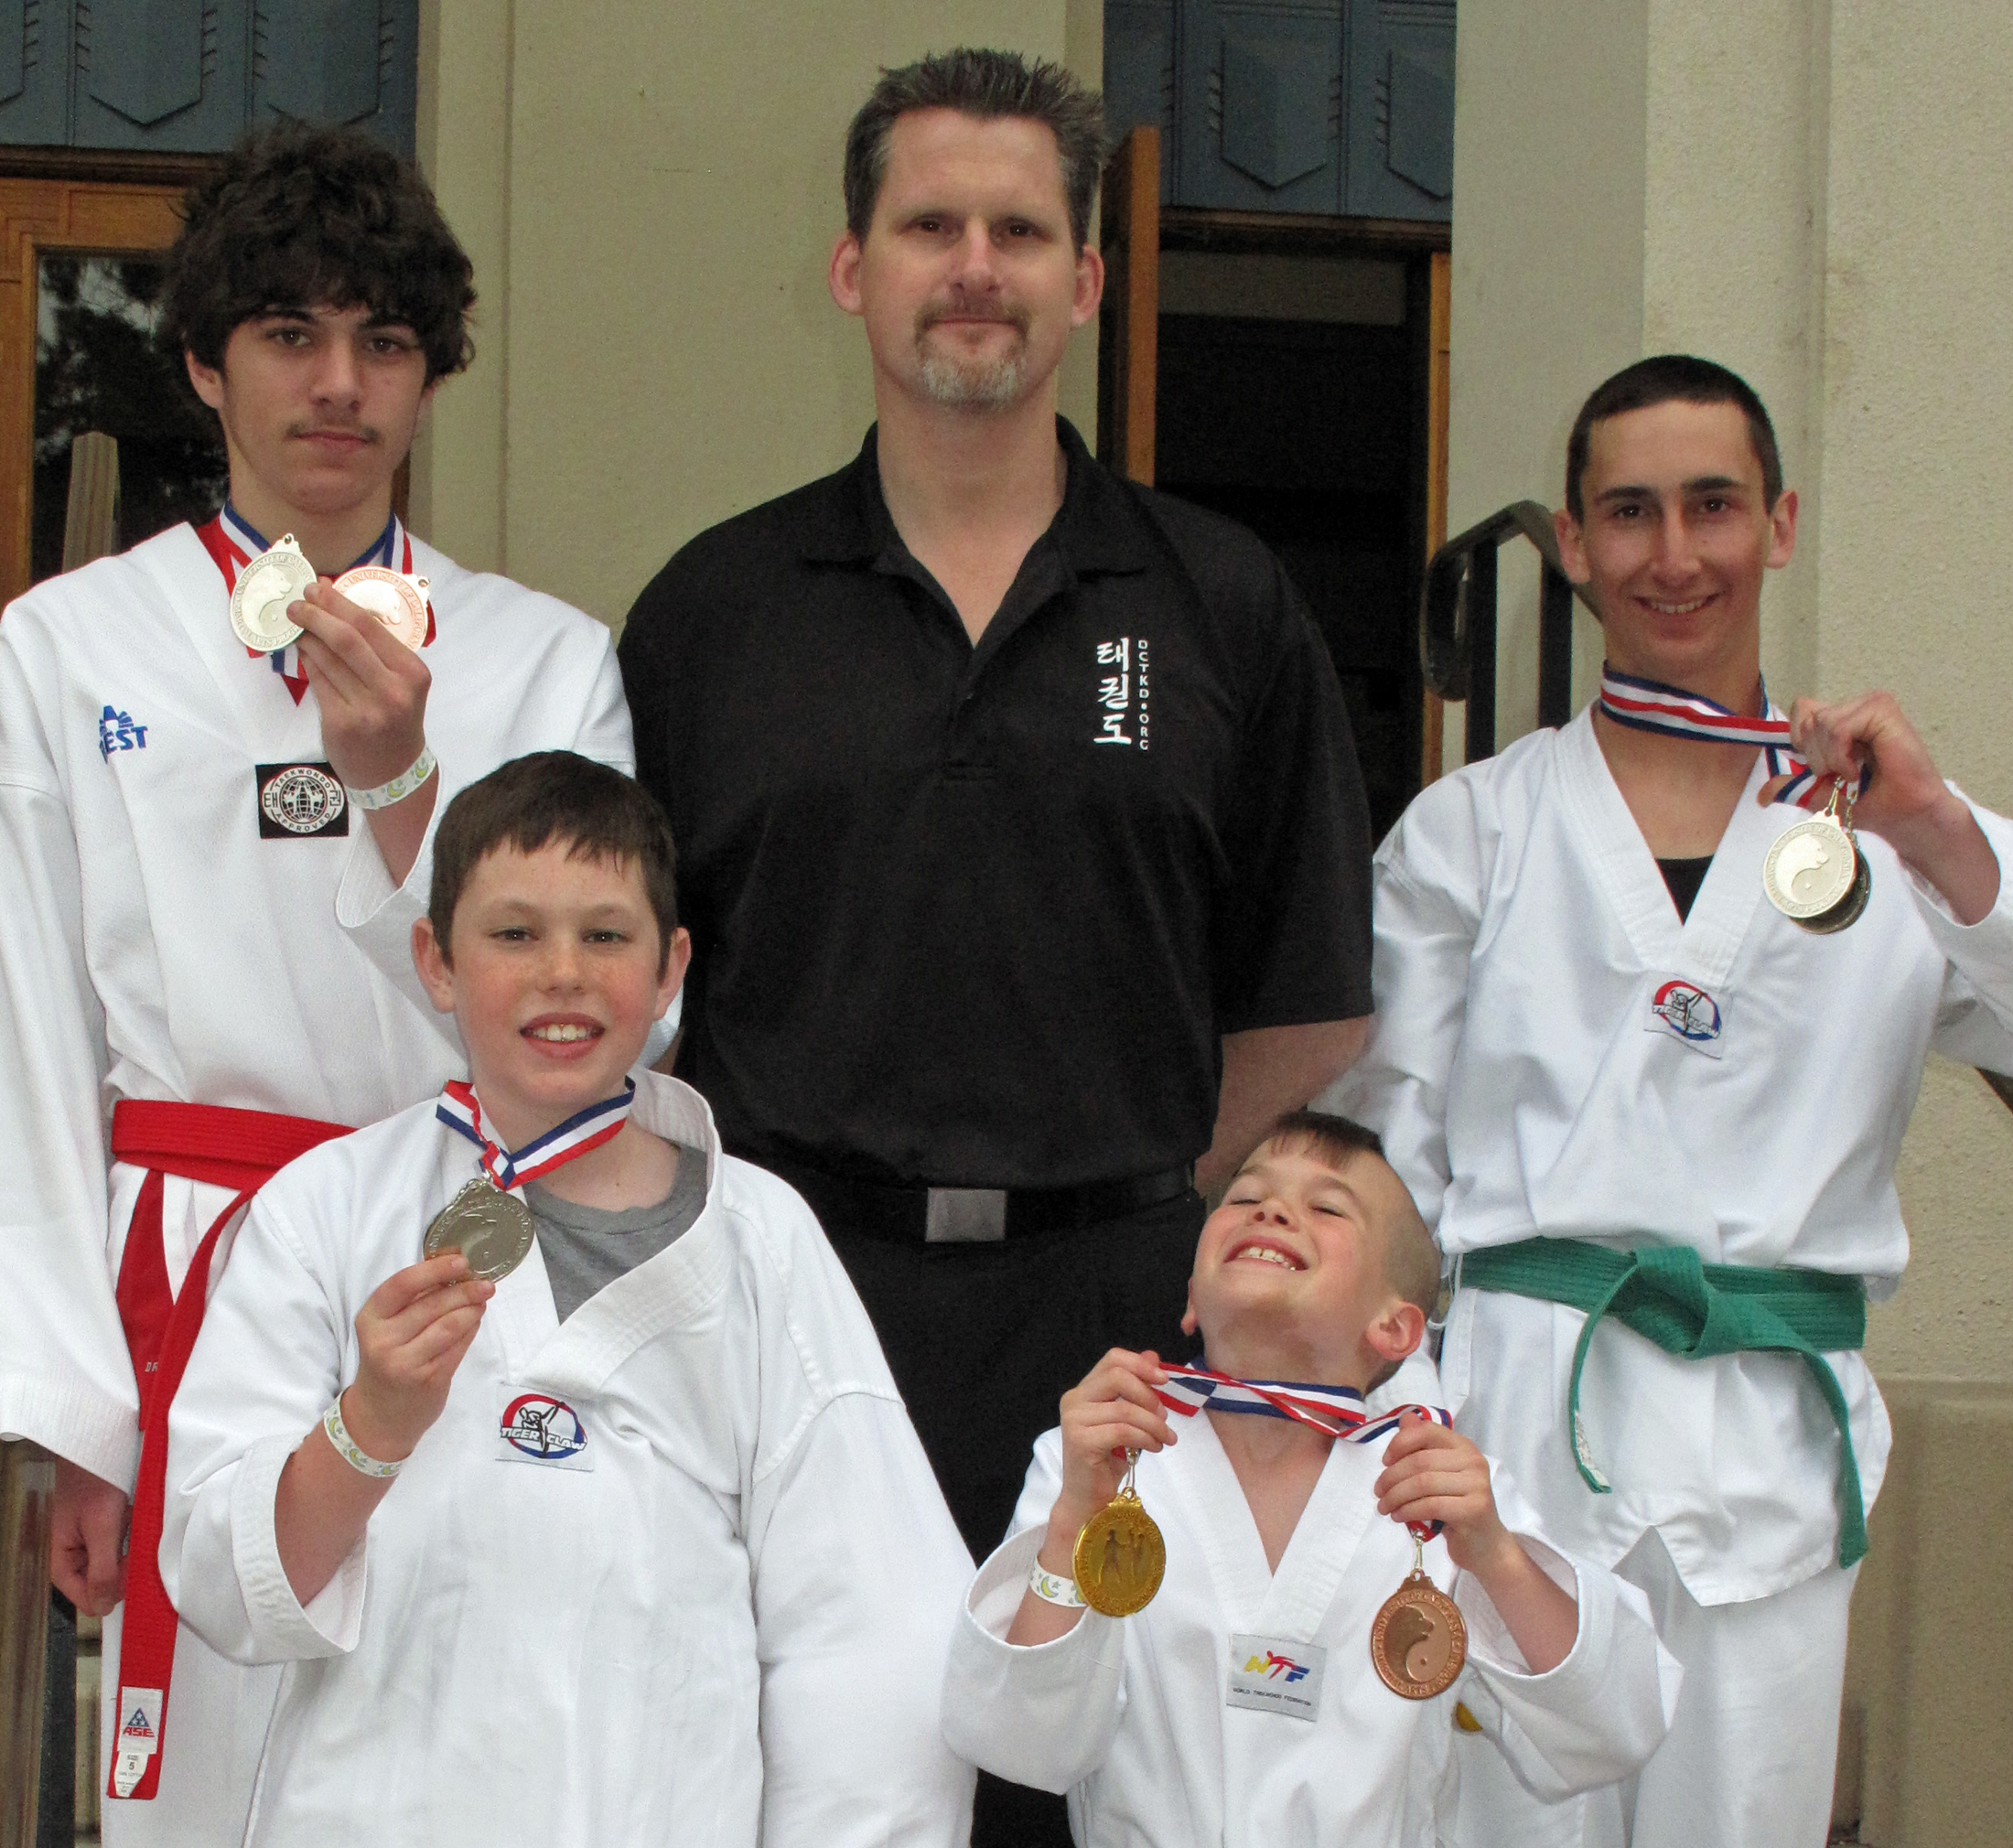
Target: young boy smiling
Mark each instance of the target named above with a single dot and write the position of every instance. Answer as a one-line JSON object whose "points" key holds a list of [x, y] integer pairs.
{"points": [[599, 1547], [1311, 1280]]}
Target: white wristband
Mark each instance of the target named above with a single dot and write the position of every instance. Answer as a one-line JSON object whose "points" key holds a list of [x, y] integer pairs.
{"points": [[345, 1447], [401, 785], [1050, 1589]]}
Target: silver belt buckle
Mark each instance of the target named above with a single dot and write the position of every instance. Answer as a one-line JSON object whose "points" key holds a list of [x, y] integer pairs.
{"points": [[965, 1216]]}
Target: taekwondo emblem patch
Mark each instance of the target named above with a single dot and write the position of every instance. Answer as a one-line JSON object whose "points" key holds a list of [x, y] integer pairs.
{"points": [[1689, 1015], [535, 1428], [298, 801]]}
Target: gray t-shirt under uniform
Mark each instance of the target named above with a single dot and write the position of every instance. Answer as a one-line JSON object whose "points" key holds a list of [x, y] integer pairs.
{"points": [[586, 1248]]}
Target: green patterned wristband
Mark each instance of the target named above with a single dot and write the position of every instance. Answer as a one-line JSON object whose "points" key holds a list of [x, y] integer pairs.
{"points": [[1051, 1589], [346, 1448]]}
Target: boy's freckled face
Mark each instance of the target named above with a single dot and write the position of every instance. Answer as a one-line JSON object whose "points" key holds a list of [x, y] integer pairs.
{"points": [[1294, 1255], [554, 980]]}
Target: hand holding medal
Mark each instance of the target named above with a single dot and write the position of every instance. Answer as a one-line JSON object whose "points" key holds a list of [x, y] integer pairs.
{"points": [[1889, 785]]}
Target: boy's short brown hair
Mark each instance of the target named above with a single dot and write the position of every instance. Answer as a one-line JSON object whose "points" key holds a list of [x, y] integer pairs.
{"points": [[550, 796], [1411, 1260]]}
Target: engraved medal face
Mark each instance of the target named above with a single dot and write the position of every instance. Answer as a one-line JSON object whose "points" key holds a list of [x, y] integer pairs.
{"points": [[489, 1227], [1810, 869], [1418, 1642], [1120, 1557], [264, 590], [1847, 909], [397, 601]]}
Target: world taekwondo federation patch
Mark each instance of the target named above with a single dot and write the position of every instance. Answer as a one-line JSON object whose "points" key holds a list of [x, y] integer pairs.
{"points": [[299, 801], [1689, 1015]]}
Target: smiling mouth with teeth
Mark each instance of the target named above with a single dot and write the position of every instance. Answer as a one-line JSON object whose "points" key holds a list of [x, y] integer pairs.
{"points": [[1678, 608], [565, 1032], [1266, 1255]]}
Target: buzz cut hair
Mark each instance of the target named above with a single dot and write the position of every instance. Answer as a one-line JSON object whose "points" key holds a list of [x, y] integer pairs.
{"points": [[555, 795], [301, 217], [1664, 379], [1411, 1260], [989, 86]]}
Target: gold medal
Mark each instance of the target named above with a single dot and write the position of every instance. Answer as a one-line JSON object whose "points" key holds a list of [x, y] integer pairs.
{"points": [[1814, 874], [1120, 1557], [399, 602], [489, 1227], [1418, 1642], [266, 589]]}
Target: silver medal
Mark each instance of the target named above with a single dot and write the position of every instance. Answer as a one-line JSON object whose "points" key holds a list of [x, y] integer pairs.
{"points": [[489, 1227], [267, 587]]}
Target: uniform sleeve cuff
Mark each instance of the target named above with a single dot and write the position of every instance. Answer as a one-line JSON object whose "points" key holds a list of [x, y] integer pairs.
{"points": [[332, 1621], [995, 1597], [1493, 1650], [1991, 938]]}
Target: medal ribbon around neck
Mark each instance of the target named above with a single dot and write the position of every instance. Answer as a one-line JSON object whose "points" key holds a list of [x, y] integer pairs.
{"points": [[508, 1171], [1334, 1411], [1648, 706], [232, 542]]}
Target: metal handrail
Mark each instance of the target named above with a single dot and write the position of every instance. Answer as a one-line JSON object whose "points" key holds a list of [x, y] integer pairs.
{"points": [[1458, 622]]}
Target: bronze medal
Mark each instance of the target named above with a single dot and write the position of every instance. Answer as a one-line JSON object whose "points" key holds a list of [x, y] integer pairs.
{"points": [[1120, 1557], [489, 1227], [399, 602], [1418, 1642]]}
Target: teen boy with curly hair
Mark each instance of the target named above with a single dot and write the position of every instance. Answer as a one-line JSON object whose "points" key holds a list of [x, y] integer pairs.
{"points": [[214, 836]]}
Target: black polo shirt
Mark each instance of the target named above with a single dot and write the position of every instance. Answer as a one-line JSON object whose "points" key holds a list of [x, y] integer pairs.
{"points": [[978, 917]]}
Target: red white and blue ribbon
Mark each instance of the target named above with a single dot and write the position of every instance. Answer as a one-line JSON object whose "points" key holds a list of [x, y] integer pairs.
{"points": [[1336, 1411], [1648, 706], [510, 1169], [232, 542]]}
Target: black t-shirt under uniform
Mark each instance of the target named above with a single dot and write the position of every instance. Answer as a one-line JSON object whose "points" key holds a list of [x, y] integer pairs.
{"points": [[978, 917]]}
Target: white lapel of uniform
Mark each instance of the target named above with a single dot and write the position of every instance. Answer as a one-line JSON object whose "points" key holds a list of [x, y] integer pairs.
{"points": [[684, 1279], [1702, 947]]}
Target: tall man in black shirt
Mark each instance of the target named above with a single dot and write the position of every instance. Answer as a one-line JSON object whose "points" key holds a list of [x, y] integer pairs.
{"points": [[1019, 829]]}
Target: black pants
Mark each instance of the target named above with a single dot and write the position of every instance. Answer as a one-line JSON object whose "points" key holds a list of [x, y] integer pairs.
{"points": [[984, 1340]]}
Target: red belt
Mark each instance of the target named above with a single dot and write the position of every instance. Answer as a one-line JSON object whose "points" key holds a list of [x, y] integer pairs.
{"points": [[240, 1149]]}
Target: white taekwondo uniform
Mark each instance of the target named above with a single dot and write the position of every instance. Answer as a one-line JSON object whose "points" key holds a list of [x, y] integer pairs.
{"points": [[722, 1620], [163, 940], [1542, 1064], [1131, 1715]]}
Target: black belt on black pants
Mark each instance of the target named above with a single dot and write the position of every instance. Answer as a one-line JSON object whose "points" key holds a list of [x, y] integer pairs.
{"points": [[926, 1215]]}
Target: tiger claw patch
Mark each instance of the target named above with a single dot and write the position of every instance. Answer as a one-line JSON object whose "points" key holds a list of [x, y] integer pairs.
{"points": [[298, 801]]}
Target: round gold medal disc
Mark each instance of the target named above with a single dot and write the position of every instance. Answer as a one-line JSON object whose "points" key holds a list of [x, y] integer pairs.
{"points": [[266, 588], [397, 601], [1120, 1557], [1418, 1642], [1847, 909], [489, 1227], [1810, 869]]}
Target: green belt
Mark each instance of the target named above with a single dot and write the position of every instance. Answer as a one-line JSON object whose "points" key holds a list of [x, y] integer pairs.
{"points": [[1696, 1310]]}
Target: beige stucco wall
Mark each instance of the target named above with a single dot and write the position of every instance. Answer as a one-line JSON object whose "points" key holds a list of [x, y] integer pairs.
{"points": [[650, 195], [1814, 194]]}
